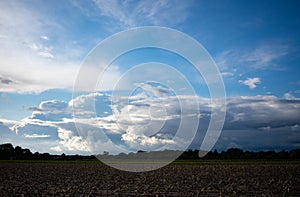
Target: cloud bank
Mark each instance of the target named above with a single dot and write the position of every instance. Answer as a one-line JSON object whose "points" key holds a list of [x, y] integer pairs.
{"points": [[147, 123]]}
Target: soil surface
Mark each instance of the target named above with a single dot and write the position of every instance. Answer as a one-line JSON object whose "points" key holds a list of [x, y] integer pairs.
{"points": [[93, 179]]}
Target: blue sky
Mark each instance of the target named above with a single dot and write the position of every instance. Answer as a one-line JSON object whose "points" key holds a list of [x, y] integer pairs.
{"points": [[255, 45]]}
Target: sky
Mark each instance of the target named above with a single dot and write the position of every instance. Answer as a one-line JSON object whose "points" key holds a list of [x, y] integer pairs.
{"points": [[44, 45]]}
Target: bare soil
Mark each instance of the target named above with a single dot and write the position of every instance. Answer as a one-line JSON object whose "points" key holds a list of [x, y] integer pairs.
{"points": [[93, 179]]}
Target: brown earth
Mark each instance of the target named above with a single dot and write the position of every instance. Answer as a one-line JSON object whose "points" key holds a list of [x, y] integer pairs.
{"points": [[92, 179]]}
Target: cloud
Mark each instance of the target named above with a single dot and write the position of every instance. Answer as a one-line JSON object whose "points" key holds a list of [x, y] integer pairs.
{"points": [[227, 74], [260, 123], [46, 54], [132, 13], [44, 37], [31, 72], [261, 111], [156, 91], [53, 105], [71, 141], [251, 82], [246, 116], [42, 50], [5, 81], [36, 136], [288, 96], [34, 109], [41, 64], [148, 123], [145, 141], [42, 130], [56, 149], [6, 134], [266, 55]]}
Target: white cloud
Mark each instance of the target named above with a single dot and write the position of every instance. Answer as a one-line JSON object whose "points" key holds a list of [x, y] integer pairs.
{"points": [[44, 37], [41, 63], [30, 71], [53, 105], [45, 63], [157, 91], [8, 123], [288, 96], [46, 54], [36, 136], [266, 55], [251, 82], [143, 141], [132, 13], [56, 149], [35, 46], [71, 141], [227, 74]]}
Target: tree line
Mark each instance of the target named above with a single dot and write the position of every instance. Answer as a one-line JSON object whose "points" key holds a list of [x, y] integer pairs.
{"points": [[9, 152], [236, 153]]}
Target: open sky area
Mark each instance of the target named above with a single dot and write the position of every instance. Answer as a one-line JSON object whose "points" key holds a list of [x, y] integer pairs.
{"points": [[43, 44]]}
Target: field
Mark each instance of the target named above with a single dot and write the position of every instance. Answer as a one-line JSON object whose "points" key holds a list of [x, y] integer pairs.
{"points": [[179, 179]]}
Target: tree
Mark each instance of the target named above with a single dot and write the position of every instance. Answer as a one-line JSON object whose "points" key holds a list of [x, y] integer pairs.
{"points": [[233, 153], [7, 151], [295, 154]]}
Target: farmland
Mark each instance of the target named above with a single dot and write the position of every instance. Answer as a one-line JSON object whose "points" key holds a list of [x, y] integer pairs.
{"points": [[179, 179]]}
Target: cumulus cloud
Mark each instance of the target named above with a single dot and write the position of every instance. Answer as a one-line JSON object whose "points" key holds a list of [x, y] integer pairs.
{"points": [[71, 141], [251, 82], [151, 123]]}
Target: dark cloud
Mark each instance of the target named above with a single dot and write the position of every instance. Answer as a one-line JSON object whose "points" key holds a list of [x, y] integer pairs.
{"points": [[258, 112], [260, 123], [5, 81]]}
